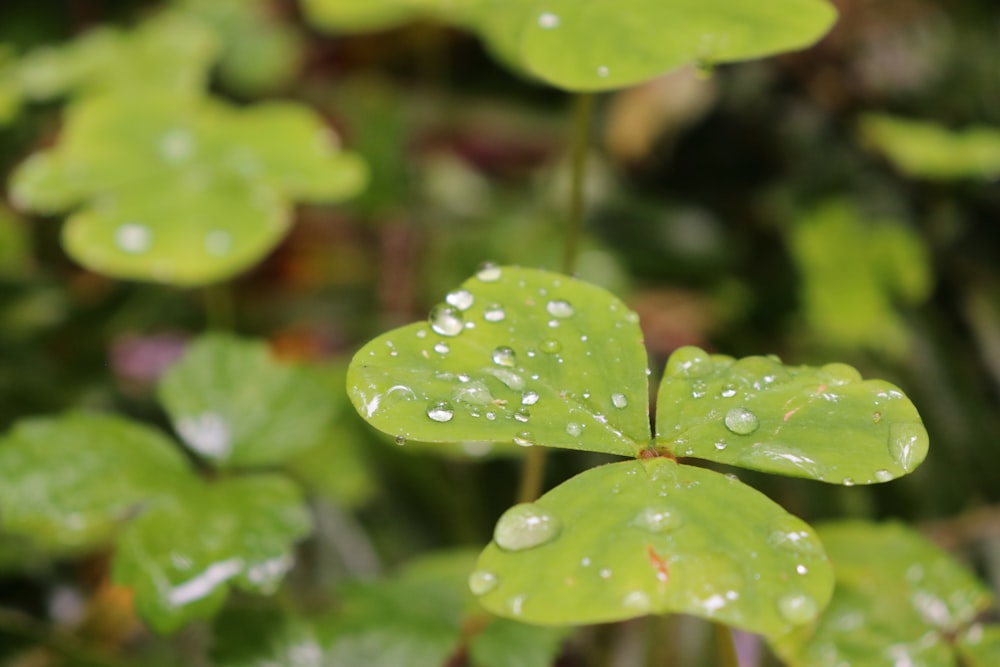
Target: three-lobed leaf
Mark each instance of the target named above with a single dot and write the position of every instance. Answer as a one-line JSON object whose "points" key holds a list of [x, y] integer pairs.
{"points": [[822, 423], [651, 537], [512, 355]]}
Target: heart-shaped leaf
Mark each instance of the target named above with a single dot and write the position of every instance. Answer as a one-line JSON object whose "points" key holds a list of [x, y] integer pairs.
{"points": [[649, 537], [607, 44], [234, 404], [822, 423], [980, 646], [514, 354], [70, 481], [180, 557], [898, 600], [931, 151]]}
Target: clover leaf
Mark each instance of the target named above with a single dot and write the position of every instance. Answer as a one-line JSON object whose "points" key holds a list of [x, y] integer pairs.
{"points": [[179, 190], [898, 600]]}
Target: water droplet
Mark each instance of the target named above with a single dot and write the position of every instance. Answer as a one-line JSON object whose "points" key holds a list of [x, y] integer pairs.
{"points": [[619, 400], [525, 526], [797, 608], [442, 348], [605, 573], [548, 20], [177, 145], [742, 421], [637, 601], [658, 519], [522, 415], [495, 313], [474, 393], [488, 273], [689, 362], [559, 308], [461, 299], [728, 392], [603, 71], [515, 605], [907, 443], [504, 356], [440, 411], [482, 582], [801, 569], [133, 238], [523, 439], [400, 440], [446, 320], [721, 446], [218, 242], [841, 373], [876, 417], [551, 346], [510, 379], [208, 434], [529, 398], [884, 475], [573, 429], [848, 481], [792, 534]]}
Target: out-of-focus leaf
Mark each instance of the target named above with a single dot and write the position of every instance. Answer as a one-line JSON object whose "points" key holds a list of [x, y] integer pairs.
{"points": [[607, 44], [69, 482], [10, 87], [980, 646], [180, 557], [15, 246], [234, 404], [897, 600], [266, 637], [652, 537], [821, 423], [854, 273], [353, 16], [514, 354], [182, 191], [928, 150]]}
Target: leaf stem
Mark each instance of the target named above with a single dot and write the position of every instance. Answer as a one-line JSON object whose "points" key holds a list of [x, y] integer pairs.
{"points": [[583, 111], [725, 645], [532, 474], [220, 307]]}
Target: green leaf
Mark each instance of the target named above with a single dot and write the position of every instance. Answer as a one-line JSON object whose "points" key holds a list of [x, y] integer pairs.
{"points": [[182, 191], [69, 482], [353, 16], [15, 246], [264, 637], [980, 646], [506, 643], [652, 537], [855, 272], [821, 423], [608, 44], [234, 404], [513, 354], [181, 557], [928, 150], [897, 600]]}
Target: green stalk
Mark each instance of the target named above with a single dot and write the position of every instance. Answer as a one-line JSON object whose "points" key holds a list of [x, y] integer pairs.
{"points": [[220, 308], [725, 646]]}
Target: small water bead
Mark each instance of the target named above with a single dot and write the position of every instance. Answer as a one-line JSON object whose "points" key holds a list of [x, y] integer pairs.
{"points": [[548, 20], [728, 392], [551, 346], [603, 71], [495, 313], [522, 415], [801, 569], [523, 439], [400, 440], [482, 582], [515, 605], [792, 534], [637, 601], [504, 356], [134, 238], [797, 608], [461, 299], [529, 398], [573, 429], [721, 446], [907, 444], [446, 320], [441, 411], [559, 308], [689, 362], [848, 481], [619, 400], [884, 475], [525, 526], [442, 348], [741, 421], [488, 273], [658, 519]]}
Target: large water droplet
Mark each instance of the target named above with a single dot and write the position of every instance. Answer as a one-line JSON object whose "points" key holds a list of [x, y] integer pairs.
{"points": [[522, 415], [525, 526], [488, 273], [689, 362], [511, 379], [884, 475], [841, 373], [482, 582], [797, 608], [551, 345], [529, 398], [742, 421], [658, 519], [573, 429], [133, 238], [475, 393], [559, 308], [523, 439], [461, 299], [792, 534], [446, 320], [504, 356], [619, 400], [440, 411], [495, 313], [907, 443]]}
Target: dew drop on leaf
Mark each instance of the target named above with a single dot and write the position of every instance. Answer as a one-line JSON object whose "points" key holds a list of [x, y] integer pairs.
{"points": [[504, 356], [446, 320], [511, 379], [788, 532], [906, 440], [573, 429], [488, 273], [525, 526], [133, 238], [529, 398], [442, 348], [461, 299], [482, 582], [495, 313], [637, 601], [883, 475], [619, 400], [658, 519], [440, 411], [522, 415], [559, 308], [400, 440], [551, 346], [523, 439], [218, 242], [548, 20], [742, 421], [474, 393], [797, 608], [690, 362]]}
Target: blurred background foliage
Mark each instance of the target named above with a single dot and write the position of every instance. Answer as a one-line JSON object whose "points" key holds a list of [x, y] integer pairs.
{"points": [[838, 203]]}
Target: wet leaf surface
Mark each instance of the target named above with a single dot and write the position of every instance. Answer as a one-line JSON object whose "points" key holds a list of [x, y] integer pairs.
{"points": [[648, 537], [234, 404], [822, 423], [515, 355], [980, 646], [898, 600]]}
